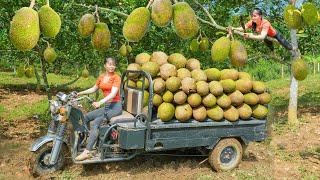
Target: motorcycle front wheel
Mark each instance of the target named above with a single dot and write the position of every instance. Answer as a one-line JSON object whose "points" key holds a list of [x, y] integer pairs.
{"points": [[39, 161]]}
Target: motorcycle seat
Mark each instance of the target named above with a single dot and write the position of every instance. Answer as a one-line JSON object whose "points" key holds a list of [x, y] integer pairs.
{"points": [[124, 117]]}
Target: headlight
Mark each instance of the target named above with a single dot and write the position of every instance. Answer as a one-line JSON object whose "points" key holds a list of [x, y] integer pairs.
{"points": [[54, 106]]}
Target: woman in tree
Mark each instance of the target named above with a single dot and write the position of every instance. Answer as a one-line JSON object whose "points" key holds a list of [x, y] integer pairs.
{"points": [[109, 83], [262, 26]]}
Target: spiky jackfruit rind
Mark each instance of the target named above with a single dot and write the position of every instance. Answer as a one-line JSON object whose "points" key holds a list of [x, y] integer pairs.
{"points": [[161, 12], [50, 22], [184, 20], [220, 49], [238, 54], [309, 14], [86, 25], [49, 54], [292, 17], [300, 69], [136, 24], [25, 29], [166, 111], [101, 37], [178, 60]]}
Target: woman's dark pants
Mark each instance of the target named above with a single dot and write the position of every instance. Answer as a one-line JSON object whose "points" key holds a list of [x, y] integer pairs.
{"points": [[280, 39]]}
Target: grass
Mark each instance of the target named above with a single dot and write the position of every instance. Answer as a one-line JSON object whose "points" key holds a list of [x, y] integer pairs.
{"points": [[28, 110], [9, 80], [2, 110]]}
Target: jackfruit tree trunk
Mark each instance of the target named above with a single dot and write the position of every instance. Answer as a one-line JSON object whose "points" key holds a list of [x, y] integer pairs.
{"points": [[45, 79], [293, 101]]}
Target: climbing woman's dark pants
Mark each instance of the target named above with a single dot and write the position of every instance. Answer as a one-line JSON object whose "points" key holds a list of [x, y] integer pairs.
{"points": [[97, 116], [280, 39]]}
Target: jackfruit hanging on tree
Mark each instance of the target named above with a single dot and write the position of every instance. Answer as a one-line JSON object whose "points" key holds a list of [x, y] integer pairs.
{"points": [[309, 14], [161, 12], [300, 69], [101, 37], [204, 44], [136, 24], [292, 17], [85, 72], [194, 45], [86, 25], [220, 49], [185, 21], [50, 22], [238, 54], [50, 54], [25, 29]]}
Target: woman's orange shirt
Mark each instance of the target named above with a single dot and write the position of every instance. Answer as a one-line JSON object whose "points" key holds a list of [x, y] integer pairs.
{"points": [[114, 81], [264, 25]]}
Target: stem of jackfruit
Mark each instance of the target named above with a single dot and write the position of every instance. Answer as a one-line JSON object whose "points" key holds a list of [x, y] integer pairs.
{"points": [[47, 2], [32, 3], [118, 13], [97, 14], [175, 1], [149, 4]]}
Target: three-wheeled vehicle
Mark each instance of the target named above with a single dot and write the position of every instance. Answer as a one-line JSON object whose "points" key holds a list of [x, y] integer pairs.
{"points": [[138, 132]]}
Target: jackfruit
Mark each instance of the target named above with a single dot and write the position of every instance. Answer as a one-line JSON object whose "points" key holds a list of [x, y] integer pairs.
{"points": [[145, 98], [159, 85], [194, 100], [300, 69], [215, 88], [142, 58], [101, 37], [229, 74], [199, 113], [146, 83], [86, 25], [193, 64], [258, 87], [245, 111], [133, 67], [151, 67], [202, 88], [85, 72], [204, 44], [228, 85], [184, 20], [209, 100], [178, 60], [199, 75], [183, 72], [231, 114], [129, 48], [157, 100], [251, 99], [161, 12], [244, 85], [238, 54], [264, 98], [213, 74], [180, 97], [220, 49], [259, 111], [194, 45], [20, 70], [292, 17], [236, 98], [244, 75], [50, 22], [166, 111], [136, 24], [188, 85], [49, 54], [167, 97], [183, 112], [309, 14], [123, 50], [224, 101], [29, 71], [25, 29], [215, 113], [173, 84], [168, 70], [159, 57]]}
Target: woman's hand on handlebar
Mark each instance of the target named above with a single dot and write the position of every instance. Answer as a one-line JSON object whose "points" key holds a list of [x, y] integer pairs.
{"points": [[96, 104]]}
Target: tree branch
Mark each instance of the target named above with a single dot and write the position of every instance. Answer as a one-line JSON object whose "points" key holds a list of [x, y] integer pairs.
{"points": [[121, 14], [32, 3]]}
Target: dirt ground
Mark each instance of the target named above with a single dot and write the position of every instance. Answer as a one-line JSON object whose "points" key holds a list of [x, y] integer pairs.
{"points": [[286, 154]]}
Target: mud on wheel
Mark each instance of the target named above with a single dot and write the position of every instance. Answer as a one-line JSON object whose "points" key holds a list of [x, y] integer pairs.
{"points": [[39, 160], [226, 155]]}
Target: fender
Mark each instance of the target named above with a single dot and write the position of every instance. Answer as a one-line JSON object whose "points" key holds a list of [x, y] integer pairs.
{"points": [[43, 140]]}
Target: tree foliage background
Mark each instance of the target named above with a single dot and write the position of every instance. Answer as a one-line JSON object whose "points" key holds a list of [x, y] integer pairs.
{"points": [[74, 51]]}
